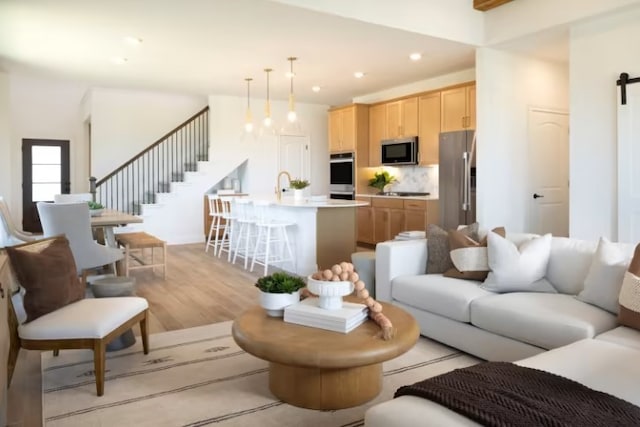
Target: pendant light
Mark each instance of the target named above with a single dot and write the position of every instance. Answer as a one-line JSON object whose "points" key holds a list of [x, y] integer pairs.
{"points": [[248, 120], [291, 116], [268, 122]]}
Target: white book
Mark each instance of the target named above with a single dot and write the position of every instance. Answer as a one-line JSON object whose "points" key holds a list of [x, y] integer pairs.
{"points": [[314, 323], [295, 318], [309, 309]]}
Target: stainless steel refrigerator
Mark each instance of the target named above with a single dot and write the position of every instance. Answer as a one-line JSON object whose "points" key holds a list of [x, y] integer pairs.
{"points": [[457, 183]]}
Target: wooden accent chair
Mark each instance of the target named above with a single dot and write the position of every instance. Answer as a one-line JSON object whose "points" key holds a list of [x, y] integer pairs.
{"points": [[90, 323]]}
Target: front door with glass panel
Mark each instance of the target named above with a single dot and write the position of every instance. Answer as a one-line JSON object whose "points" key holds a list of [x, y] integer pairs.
{"points": [[45, 172]]}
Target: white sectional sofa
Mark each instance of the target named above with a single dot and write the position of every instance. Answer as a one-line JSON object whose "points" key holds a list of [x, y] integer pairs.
{"points": [[554, 332]]}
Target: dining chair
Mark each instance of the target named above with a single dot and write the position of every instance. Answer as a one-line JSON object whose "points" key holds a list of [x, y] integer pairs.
{"points": [[72, 198], [74, 221], [10, 234]]}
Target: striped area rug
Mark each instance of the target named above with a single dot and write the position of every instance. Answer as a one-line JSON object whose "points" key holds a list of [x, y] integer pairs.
{"points": [[200, 377]]}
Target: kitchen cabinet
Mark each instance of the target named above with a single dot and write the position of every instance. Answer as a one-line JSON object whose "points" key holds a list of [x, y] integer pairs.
{"points": [[402, 118], [458, 108], [386, 217], [349, 130], [365, 222], [428, 128], [377, 132]]}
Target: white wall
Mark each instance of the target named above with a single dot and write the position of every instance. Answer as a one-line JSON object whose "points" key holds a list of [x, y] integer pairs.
{"points": [[430, 17], [228, 140], [600, 50], [507, 84], [125, 122], [5, 141], [45, 109], [522, 17]]}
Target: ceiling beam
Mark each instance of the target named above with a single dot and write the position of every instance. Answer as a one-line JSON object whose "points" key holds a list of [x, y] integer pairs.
{"points": [[485, 5]]}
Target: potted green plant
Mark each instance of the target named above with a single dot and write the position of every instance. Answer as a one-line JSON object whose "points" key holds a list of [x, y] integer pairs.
{"points": [[95, 208], [381, 180], [298, 185], [279, 290]]}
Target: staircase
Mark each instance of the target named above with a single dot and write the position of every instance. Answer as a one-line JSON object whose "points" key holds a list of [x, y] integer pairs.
{"points": [[165, 183]]}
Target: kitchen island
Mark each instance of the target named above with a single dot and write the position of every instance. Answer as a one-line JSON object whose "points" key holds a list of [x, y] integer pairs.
{"points": [[324, 233]]}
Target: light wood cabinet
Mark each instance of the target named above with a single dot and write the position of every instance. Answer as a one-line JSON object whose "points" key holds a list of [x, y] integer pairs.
{"points": [[377, 132], [365, 222], [5, 340], [387, 217], [458, 108], [402, 118], [429, 128], [349, 130]]}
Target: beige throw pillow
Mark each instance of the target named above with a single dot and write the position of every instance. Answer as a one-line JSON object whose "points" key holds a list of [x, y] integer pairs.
{"points": [[469, 257], [629, 314], [438, 257]]}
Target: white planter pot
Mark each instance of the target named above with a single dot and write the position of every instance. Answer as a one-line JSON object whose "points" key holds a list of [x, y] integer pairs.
{"points": [[274, 304], [298, 194]]}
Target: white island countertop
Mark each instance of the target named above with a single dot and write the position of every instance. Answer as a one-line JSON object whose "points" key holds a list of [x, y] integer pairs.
{"points": [[429, 197]]}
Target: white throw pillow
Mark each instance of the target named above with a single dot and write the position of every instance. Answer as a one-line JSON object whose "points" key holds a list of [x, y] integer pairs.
{"points": [[604, 280], [518, 269]]}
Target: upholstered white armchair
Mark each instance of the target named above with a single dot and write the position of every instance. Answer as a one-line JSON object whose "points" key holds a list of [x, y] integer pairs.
{"points": [[10, 234], [74, 221]]}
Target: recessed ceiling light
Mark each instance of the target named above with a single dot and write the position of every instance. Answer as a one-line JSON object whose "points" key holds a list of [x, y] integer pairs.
{"points": [[289, 74], [415, 56], [133, 41], [316, 88], [119, 60], [358, 74]]}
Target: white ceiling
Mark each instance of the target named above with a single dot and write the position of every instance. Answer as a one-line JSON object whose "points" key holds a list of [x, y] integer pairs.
{"points": [[210, 46]]}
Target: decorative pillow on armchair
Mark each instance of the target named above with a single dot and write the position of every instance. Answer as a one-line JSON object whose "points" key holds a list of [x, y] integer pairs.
{"points": [[629, 298], [469, 257], [438, 258], [518, 269], [47, 271]]}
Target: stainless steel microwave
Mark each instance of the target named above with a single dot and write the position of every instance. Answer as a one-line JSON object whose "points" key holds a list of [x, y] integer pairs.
{"points": [[402, 151]]}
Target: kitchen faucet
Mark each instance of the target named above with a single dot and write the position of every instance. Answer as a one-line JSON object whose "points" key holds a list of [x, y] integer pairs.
{"points": [[278, 189]]}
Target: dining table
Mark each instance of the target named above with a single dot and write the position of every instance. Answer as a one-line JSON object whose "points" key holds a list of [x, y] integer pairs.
{"points": [[109, 219]]}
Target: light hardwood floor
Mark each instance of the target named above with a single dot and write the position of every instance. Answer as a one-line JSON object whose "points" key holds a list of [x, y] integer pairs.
{"points": [[199, 289]]}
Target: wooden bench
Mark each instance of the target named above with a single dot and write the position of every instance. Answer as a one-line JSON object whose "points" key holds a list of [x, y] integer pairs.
{"points": [[139, 241]]}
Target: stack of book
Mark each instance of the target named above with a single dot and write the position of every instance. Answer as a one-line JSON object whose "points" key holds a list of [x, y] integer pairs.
{"points": [[308, 313], [411, 235]]}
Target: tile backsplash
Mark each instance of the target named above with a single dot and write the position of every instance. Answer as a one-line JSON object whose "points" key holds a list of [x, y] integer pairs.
{"points": [[414, 178]]}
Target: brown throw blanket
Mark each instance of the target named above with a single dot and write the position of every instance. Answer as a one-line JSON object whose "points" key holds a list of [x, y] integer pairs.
{"points": [[504, 394]]}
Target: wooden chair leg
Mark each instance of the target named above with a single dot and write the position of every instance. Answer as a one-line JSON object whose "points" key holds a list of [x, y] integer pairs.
{"points": [[144, 332], [99, 348]]}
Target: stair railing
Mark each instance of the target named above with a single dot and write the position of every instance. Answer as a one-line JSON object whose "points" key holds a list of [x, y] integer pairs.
{"points": [[152, 170]]}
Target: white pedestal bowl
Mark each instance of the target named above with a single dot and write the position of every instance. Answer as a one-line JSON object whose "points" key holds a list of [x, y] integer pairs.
{"points": [[330, 293]]}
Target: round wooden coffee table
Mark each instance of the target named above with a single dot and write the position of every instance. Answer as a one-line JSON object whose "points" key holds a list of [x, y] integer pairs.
{"points": [[319, 369]]}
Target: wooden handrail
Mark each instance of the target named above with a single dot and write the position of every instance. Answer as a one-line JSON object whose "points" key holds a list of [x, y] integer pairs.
{"points": [[152, 146]]}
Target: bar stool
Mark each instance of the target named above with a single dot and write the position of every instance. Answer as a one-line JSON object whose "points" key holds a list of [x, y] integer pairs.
{"points": [[216, 224], [229, 226], [245, 222], [270, 232]]}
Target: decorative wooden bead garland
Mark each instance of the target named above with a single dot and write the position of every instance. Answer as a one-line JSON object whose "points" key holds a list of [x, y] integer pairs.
{"points": [[345, 272]]}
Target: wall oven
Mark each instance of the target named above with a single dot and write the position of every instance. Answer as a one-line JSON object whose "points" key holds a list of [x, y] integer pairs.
{"points": [[342, 176]]}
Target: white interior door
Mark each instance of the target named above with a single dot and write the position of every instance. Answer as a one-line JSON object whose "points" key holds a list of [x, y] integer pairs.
{"points": [[549, 171], [629, 166], [294, 157]]}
